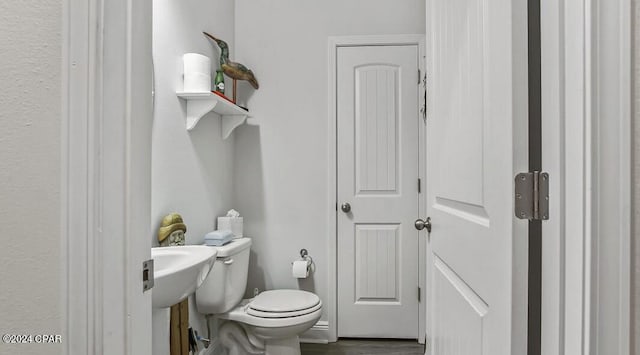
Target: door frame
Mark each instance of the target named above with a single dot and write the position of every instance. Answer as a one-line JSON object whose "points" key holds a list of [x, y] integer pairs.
{"points": [[106, 169], [568, 305], [332, 221], [586, 118]]}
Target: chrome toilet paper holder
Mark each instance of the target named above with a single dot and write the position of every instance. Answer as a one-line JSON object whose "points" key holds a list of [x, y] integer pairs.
{"points": [[304, 255]]}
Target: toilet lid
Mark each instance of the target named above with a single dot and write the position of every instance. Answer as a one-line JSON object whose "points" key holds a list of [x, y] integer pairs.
{"points": [[284, 301], [290, 314]]}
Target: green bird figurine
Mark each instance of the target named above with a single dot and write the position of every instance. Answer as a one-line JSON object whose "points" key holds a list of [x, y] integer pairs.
{"points": [[235, 71]]}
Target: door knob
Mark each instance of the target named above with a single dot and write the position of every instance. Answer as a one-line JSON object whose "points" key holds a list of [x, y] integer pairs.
{"points": [[346, 207], [420, 224]]}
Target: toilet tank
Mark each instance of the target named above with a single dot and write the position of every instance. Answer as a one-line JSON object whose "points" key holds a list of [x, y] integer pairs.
{"points": [[224, 287]]}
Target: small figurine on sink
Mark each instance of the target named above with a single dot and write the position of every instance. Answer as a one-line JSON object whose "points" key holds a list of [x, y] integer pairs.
{"points": [[172, 230]]}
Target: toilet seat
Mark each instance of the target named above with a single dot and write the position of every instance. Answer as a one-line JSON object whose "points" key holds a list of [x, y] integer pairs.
{"points": [[241, 314], [290, 314], [283, 304]]}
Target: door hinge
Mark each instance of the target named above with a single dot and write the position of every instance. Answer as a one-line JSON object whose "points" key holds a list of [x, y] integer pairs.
{"points": [[423, 109], [419, 76], [419, 185], [532, 196], [419, 294], [147, 275]]}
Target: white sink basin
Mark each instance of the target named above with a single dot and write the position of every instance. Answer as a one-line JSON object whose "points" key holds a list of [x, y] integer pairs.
{"points": [[179, 271]]}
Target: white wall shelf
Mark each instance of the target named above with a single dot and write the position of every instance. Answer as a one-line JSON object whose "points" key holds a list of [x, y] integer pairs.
{"points": [[201, 103]]}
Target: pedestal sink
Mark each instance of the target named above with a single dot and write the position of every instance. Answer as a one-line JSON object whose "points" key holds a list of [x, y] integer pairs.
{"points": [[179, 271]]}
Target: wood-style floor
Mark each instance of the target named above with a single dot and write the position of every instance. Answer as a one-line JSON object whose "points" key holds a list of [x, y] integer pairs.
{"points": [[364, 347]]}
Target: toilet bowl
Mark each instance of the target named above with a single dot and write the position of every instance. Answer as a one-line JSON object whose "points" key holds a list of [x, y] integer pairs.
{"points": [[274, 319], [269, 323]]}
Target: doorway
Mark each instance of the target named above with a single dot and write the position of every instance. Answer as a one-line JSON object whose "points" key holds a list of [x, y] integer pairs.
{"points": [[84, 322]]}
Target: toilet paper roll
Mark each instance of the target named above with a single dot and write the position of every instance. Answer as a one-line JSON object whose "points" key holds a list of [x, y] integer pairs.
{"points": [[300, 269], [196, 63], [197, 82]]}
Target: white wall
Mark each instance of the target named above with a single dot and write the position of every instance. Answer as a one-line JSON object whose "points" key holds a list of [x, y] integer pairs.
{"points": [[192, 172], [635, 236], [280, 169], [30, 118]]}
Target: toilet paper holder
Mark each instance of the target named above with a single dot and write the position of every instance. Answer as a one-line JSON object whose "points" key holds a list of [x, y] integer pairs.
{"points": [[304, 255]]}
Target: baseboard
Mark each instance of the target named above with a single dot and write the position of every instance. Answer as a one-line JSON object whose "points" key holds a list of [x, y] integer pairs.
{"points": [[319, 333]]}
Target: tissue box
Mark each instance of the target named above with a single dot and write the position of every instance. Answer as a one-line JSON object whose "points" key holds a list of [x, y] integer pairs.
{"points": [[233, 224], [218, 238]]}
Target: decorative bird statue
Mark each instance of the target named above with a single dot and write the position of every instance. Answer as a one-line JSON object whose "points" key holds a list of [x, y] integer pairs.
{"points": [[235, 71]]}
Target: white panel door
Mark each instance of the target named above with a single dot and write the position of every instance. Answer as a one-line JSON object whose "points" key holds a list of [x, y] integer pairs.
{"points": [[476, 143], [378, 122]]}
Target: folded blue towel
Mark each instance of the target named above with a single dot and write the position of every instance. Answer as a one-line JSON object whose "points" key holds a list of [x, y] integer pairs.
{"points": [[218, 238]]}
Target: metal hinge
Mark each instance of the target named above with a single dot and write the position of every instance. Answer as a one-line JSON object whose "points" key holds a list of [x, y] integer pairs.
{"points": [[147, 275], [423, 109], [419, 294], [532, 196], [419, 76], [419, 185]]}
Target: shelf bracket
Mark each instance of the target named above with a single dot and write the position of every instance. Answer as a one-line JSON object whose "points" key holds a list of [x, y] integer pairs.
{"points": [[230, 122], [196, 109], [201, 103]]}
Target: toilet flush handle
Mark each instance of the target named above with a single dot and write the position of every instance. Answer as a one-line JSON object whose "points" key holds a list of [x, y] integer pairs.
{"points": [[228, 261]]}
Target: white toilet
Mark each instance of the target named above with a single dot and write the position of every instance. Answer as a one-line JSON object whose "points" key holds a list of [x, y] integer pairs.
{"points": [[268, 323]]}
